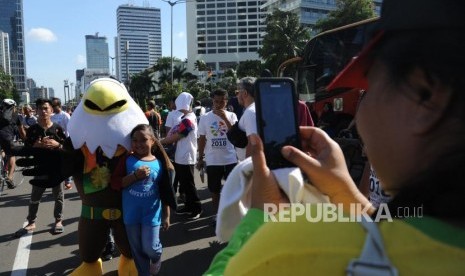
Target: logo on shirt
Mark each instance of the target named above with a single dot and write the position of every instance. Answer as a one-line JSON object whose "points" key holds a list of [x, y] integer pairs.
{"points": [[218, 128]]}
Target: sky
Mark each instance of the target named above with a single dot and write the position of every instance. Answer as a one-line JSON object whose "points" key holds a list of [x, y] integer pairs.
{"points": [[55, 33]]}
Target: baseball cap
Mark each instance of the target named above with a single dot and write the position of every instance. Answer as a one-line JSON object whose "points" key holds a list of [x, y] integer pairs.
{"points": [[400, 15]]}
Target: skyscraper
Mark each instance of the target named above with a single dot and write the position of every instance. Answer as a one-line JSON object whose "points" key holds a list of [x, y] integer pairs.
{"points": [[308, 11], [97, 52], [5, 53], [138, 44], [11, 22], [223, 33]]}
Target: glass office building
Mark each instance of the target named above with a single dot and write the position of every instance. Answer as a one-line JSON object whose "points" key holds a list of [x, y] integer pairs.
{"points": [[138, 44], [12, 23], [97, 52]]}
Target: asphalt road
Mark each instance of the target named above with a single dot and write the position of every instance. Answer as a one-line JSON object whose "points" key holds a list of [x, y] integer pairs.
{"points": [[189, 246]]}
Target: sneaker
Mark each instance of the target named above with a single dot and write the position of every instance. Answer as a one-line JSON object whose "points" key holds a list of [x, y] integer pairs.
{"points": [[155, 267], [195, 215], [10, 183], [183, 211]]}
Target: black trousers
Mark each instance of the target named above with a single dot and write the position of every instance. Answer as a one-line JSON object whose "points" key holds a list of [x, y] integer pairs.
{"points": [[185, 175]]}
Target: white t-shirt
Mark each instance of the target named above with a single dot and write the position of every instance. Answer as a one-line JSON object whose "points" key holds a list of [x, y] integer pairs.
{"points": [[247, 123], [173, 118], [218, 150], [186, 148], [62, 120]]}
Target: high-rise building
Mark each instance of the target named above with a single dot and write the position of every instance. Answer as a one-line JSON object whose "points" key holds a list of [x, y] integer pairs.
{"points": [[97, 52], [5, 53], [222, 33], [138, 44], [308, 11], [11, 22]]}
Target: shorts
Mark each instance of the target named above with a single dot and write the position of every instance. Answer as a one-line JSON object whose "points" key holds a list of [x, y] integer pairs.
{"points": [[6, 140], [215, 174]]}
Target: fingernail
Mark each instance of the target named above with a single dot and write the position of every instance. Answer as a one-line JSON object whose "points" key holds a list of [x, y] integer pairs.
{"points": [[253, 140], [286, 152]]}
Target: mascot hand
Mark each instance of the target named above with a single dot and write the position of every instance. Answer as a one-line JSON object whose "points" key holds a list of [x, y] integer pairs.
{"points": [[48, 166]]}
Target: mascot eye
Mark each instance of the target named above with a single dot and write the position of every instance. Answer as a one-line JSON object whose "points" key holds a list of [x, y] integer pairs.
{"points": [[91, 105], [116, 105]]}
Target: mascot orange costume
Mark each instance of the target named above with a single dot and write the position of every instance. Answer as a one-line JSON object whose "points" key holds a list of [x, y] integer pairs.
{"points": [[99, 137]]}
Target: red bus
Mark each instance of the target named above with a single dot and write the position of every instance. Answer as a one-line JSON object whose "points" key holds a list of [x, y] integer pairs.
{"points": [[324, 57]]}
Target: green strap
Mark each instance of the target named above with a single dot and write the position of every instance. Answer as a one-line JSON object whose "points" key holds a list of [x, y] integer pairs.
{"points": [[90, 212]]}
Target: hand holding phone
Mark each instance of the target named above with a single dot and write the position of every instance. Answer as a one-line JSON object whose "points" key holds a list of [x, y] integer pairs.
{"points": [[277, 118]]}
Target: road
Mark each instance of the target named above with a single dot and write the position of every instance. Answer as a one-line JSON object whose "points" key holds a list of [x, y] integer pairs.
{"points": [[189, 246]]}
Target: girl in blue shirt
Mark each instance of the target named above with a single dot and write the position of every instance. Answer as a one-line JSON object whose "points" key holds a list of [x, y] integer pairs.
{"points": [[144, 210]]}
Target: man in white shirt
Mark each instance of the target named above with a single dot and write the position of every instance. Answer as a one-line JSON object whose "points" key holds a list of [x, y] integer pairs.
{"points": [[247, 123], [61, 118], [220, 155], [184, 135]]}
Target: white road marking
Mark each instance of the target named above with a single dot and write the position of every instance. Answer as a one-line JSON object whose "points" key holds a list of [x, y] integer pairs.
{"points": [[22, 254]]}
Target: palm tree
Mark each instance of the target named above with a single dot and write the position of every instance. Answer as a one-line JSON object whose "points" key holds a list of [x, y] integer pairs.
{"points": [[285, 38], [200, 65], [178, 73]]}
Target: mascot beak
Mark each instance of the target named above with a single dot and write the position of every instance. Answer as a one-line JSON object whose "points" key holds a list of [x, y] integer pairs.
{"points": [[105, 96]]}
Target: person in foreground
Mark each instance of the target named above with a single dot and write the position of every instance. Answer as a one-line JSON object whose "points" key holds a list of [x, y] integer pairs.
{"points": [[142, 175], [411, 122]]}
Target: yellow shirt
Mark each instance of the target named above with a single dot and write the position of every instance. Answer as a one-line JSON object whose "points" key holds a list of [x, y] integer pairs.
{"points": [[421, 246]]}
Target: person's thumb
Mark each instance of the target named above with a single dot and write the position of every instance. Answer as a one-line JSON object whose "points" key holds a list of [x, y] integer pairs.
{"points": [[305, 162]]}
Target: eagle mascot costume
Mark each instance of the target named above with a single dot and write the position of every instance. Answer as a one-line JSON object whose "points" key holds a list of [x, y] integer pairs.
{"points": [[99, 139]]}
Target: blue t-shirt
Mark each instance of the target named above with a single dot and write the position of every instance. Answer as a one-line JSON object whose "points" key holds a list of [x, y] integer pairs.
{"points": [[141, 200]]}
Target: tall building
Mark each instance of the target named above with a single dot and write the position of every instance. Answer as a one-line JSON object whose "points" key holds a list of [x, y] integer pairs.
{"points": [[11, 22], [97, 52], [138, 44], [5, 53], [309, 11], [222, 33]]}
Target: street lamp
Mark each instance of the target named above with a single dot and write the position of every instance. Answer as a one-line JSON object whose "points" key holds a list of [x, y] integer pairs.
{"points": [[172, 3], [126, 50], [112, 61]]}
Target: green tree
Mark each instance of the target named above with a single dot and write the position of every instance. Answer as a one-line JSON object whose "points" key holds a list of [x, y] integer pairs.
{"points": [[7, 87], [200, 65], [179, 73], [285, 38], [249, 68], [348, 11], [164, 65]]}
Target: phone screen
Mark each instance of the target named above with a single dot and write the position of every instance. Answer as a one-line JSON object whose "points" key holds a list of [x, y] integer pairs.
{"points": [[276, 107]]}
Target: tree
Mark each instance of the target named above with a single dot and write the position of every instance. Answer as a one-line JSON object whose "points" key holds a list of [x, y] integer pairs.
{"points": [[285, 38], [348, 11], [7, 87], [179, 73], [141, 85], [249, 68], [200, 65]]}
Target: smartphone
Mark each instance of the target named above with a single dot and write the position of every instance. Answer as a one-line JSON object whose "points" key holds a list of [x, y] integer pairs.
{"points": [[277, 118]]}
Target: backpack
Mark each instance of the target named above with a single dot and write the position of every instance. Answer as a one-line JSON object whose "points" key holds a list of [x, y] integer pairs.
{"points": [[154, 121], [6, 114]]}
